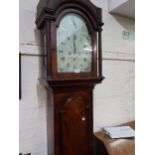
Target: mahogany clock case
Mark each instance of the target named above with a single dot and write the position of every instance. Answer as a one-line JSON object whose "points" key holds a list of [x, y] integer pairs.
{"points": [[70, 95]]}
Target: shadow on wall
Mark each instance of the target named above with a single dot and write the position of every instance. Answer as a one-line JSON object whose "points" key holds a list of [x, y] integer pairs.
{"points": [[127, 23], [38, 42], [42, 95], [37, 36]]}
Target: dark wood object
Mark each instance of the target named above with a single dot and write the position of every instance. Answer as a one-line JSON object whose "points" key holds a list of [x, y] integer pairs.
{"points": [[104, 145], [99, 147], [20, 84], [70, 95]]}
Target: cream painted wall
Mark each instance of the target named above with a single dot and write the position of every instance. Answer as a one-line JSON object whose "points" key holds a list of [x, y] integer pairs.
{"points": [[115, 3], [113, 99]]}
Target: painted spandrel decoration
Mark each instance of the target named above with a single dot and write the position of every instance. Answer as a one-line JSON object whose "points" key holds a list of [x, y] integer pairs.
{"points": [[74, 45]]}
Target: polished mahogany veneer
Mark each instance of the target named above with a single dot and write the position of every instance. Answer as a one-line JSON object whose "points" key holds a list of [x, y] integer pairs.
{"points": [[70, 94]]}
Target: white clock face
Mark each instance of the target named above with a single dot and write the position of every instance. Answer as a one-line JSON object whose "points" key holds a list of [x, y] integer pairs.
{"points": [[74, 45]]}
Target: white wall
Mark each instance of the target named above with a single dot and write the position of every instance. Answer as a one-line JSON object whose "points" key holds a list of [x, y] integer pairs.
{"points": [[113, 99], [115, 3]]}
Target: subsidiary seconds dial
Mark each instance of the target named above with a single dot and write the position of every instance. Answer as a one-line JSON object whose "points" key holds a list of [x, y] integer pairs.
{"points": [[74, 45]]}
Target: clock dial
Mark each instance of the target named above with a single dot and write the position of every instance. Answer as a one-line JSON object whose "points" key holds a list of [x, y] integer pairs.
{"points": [[74, 45]]}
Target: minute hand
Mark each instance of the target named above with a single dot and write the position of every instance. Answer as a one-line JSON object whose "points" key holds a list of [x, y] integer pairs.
{"points": [[74, 44]]}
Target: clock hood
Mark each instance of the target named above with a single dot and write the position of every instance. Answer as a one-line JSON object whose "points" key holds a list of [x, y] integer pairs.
{"points": [[48, 19], [49, 9]]}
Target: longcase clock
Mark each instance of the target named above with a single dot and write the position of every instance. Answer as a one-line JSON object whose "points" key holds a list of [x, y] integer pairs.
{"points": [[71, 66]]}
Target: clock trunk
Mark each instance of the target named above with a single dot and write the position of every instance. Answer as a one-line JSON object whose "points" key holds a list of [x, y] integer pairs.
{"points": [[71, 112]]}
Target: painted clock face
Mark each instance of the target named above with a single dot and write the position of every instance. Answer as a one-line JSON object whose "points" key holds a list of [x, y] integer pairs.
{"points": [[74, 45]]}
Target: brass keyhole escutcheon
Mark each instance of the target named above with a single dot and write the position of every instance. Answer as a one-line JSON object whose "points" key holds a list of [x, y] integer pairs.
{"points": [[83, 118]]}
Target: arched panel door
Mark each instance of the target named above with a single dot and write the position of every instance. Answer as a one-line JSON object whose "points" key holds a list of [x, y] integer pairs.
{"points": [[75, 127]]}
